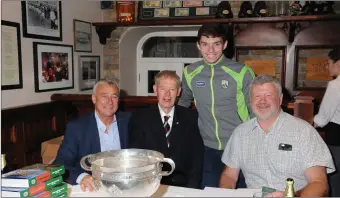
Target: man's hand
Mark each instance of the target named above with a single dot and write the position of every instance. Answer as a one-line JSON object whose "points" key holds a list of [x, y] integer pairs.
{"points": [[87, 183], [276, 194]]}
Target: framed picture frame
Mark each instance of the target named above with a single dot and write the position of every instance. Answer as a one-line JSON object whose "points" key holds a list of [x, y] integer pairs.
{"points": [[311, 67], [82, 36], [89, 72], [11, 63], [42, 20], [53, 66], [264, 60]]}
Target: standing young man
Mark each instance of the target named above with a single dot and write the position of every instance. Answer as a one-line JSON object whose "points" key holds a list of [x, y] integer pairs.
{"points": [[220, 87]]}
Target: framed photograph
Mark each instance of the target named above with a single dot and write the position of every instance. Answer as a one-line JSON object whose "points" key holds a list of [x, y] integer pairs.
{"points": [[202, 11], [152, 4], [53, 66], [89, 71], [11, 65], [181, 11], [211, 3], [82, 36], [192, 3], [172, 4], [311, 67], [42, 20], [161, 12]]}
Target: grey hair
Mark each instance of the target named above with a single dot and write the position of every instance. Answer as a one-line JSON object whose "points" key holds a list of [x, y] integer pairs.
{"points": [[264, 78], [109, 81]]}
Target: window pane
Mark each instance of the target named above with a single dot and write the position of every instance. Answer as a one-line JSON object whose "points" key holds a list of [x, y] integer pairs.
{"points": [[171, 47]]}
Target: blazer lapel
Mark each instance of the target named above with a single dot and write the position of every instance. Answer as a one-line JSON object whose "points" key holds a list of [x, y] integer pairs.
{"points": [[93, 131], [158, 129], [122, 135], [175, 128]]}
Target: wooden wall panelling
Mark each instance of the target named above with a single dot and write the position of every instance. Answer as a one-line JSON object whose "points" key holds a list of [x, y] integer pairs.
{"points": [[25, 128]]}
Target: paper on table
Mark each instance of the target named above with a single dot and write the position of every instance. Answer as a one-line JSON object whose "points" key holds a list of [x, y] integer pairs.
{"points": [[222, 192], [77, 192], [175, 191]]}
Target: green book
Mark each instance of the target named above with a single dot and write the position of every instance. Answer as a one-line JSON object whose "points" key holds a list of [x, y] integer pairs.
{"points": [[29, 192], [54, 192], [54, 169]]}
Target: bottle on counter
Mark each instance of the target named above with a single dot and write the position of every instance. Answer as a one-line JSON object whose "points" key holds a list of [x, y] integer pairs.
{"points": [[3, 163], [260, 9], [289, 191], [125, 11], [224, 10], [246, 10]]}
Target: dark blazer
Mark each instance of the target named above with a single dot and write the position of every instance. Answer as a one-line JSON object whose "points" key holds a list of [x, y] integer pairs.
{"points": [[82, 138], [186, 144]]}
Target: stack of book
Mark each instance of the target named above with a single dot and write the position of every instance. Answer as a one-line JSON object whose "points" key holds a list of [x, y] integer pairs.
{"points": [[38, 180]]}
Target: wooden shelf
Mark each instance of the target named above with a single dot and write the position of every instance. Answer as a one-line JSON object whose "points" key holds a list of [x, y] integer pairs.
{"points": [[104, 29]]}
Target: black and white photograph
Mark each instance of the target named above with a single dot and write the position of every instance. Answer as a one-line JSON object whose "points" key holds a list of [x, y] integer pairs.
{"points": [[53, 66], [42, 19], [82, 36], [89, 71]]}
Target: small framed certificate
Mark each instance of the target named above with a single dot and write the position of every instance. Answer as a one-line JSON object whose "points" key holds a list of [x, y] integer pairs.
{"points": [[11, 68], [152, 4], [202, 11], [161, 12], [172, 4], [181, 12]]}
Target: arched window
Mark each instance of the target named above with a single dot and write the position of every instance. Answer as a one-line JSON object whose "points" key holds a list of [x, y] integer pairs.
{"points": [[171, 47]]}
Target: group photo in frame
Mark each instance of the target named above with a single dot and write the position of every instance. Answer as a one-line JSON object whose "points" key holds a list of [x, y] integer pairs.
{"points": [[53, 66], [89, 72], [42, 20], [82, 36], [11, 63]]}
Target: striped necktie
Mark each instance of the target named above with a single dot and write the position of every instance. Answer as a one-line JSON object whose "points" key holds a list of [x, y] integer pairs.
{"points": [[166, 126]]}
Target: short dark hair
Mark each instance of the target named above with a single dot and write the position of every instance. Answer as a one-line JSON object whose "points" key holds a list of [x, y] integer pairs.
{"points": [[334, 54], [212, 30]]}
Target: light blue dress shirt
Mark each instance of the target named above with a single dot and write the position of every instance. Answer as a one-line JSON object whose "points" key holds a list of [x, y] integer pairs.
{"points": [[108, 141]]}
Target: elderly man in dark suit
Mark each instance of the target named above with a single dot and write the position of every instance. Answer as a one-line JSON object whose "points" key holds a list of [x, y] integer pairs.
{"points": [[171, 130], [101, 130]]}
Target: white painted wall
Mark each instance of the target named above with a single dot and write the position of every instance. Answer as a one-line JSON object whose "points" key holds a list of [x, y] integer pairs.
{"points": [[71, 9]]}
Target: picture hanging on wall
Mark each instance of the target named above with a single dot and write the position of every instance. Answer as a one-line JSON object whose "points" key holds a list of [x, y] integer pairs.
{"points": [[11, 67], [53, 66], [89, 71], [42, 20], [82, 36]]}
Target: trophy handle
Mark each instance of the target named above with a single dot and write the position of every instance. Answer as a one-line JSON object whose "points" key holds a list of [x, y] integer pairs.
{"points": [[83, 164], [172, 164]]}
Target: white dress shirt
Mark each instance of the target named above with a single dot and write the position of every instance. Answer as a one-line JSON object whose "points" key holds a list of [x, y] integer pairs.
{"points": [[330, 106], [108, 141], [171, 114]]}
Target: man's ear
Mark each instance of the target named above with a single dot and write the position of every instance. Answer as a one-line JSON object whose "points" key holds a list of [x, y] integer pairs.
{"points": [[198, 45], [225, 45], [93, 99]]}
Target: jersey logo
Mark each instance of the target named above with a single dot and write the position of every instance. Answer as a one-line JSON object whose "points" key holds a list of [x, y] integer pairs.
{"points": [[224, 84], [200, 84]]}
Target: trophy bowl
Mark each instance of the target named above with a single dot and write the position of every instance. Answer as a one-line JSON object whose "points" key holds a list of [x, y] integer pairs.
{"points": [[127, 172]]}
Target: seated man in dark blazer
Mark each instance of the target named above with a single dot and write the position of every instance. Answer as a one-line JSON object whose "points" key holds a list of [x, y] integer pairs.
{"points": [[177, 137], [101, 130]]}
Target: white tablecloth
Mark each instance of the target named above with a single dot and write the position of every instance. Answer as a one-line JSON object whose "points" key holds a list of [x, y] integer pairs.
{"points": [[174, 191]]}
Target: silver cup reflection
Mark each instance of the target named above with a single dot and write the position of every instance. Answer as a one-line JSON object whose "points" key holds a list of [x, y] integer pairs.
{"points": [[127, 172]]}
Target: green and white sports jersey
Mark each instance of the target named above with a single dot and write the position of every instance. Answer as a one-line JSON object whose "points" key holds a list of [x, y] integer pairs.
{"points": [[222, 98]]}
